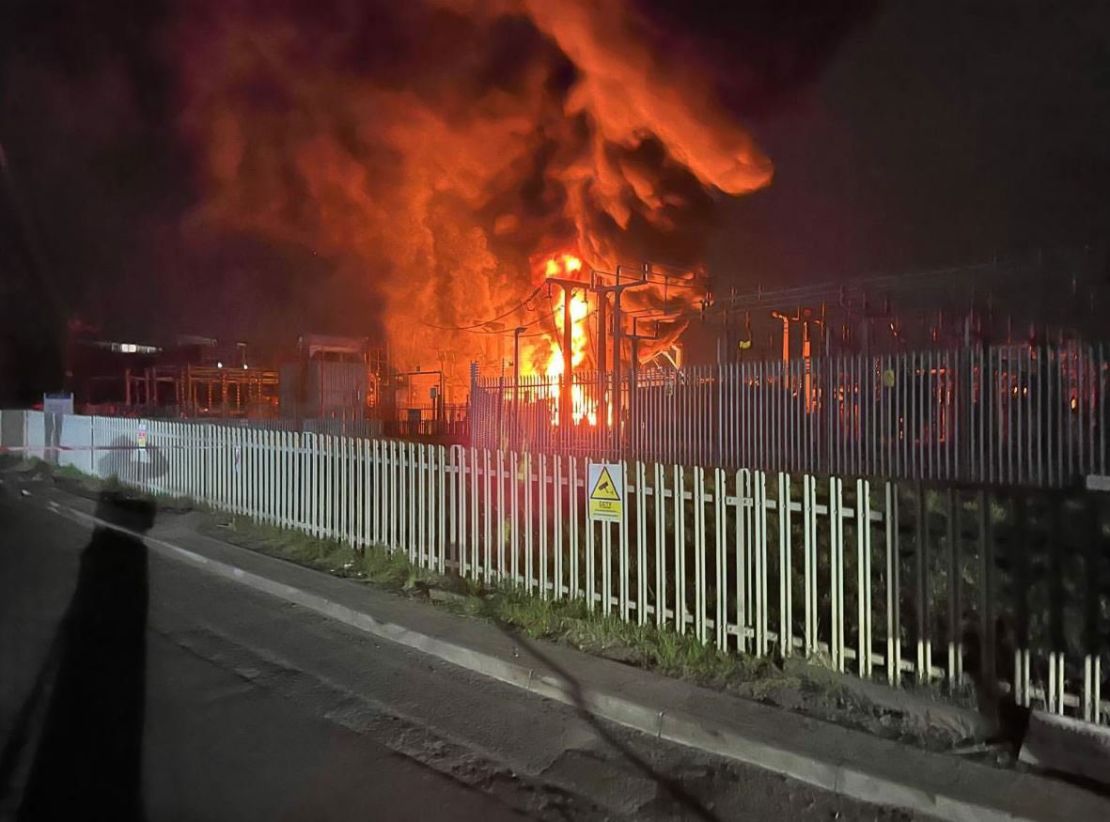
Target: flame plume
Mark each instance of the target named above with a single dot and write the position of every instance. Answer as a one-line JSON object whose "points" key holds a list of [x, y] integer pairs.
{"points": [[438, 153]]}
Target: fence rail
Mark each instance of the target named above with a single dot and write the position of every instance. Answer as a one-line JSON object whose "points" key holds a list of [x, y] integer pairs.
{"points": [[1021, 415], [898, 581]]}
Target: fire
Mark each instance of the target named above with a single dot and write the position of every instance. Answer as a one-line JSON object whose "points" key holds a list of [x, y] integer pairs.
{"points": [[579, 310], [428, 156], [565, 266], [562, 265]]}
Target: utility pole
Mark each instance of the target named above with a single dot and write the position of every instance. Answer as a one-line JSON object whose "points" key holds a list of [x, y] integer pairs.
{"points": [[602, 329], [566, 398], [602, 291]]}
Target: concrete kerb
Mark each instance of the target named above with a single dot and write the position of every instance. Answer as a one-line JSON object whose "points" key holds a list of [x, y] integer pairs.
{"points": [[674, 725]]}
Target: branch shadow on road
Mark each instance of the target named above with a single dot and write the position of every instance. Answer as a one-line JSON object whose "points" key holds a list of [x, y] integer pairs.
{"points": [[677, 792]]}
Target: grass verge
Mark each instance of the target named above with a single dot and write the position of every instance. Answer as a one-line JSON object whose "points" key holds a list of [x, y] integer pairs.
{"points": [[569, 622], [807, 687]]}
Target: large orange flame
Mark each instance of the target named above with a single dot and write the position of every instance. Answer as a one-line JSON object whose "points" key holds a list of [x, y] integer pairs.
{"points": [[567, 266]]}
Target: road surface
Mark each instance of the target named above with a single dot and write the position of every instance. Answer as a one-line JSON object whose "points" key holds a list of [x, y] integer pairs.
{"points": [[135, 683]]}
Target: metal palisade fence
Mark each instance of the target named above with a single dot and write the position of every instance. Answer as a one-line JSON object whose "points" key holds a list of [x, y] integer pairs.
{"points": [[1025, 415], [897, 581]]}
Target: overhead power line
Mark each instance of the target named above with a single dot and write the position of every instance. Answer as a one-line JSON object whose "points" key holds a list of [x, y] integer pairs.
{"points": [[516, 307]]}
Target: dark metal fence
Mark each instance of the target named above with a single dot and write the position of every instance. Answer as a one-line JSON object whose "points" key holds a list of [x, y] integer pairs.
{"points": [[443, 424], [1015, 414], [333, 426]]}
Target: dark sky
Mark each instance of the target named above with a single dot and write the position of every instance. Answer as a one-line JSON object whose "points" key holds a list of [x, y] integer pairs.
{"points": [[937, 133], [945, 132]]}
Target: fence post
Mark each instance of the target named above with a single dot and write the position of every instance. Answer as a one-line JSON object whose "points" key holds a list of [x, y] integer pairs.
{"points": [[699, 554], [623, 564], [745, 528], [759, 549], [526, 469], [501, 521], [572, 517], [863, 574], [679, 500], [365, 501], [720, 494], [459, 509], [921, 552], [786, 637], [836, 571], [590, 566], [658, 492], [893, 589], [809, 517], [641, 543], [441, 513], [421, 472], [475, 548], [487, 517], [514, 511]]}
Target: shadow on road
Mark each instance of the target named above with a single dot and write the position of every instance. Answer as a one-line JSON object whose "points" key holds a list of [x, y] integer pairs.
{"points": [[672, 787], [87, 704]]}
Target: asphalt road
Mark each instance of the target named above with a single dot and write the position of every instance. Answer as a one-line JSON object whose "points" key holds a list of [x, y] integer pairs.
{"points": [[134, 686]]}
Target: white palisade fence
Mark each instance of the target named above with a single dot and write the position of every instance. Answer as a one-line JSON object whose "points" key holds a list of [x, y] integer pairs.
{"points": [[899, 582]]}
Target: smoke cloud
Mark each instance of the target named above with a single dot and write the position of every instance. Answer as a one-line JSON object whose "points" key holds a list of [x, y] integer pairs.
{"points": [[439, 151]]}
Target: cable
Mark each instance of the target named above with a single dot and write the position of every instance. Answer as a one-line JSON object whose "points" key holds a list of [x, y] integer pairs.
{"points": [[894, 285], [537, 321], [522, 304]]}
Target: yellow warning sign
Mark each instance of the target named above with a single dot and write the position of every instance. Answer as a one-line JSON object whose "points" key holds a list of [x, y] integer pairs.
{"points": [[604, 488], [606, 491]]}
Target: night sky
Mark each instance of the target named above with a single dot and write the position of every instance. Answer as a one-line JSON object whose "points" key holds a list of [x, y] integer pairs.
{"points": [[943, 133], [907, 136]]}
